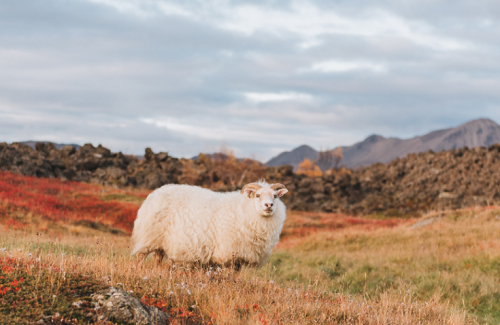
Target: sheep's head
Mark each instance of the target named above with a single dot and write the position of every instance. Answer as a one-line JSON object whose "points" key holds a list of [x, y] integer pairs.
{"points": [[264, 196]]}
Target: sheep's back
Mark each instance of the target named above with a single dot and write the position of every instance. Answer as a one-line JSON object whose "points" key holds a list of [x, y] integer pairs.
{"points": [[182, 220]]}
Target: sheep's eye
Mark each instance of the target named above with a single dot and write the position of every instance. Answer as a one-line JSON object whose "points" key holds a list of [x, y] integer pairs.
{"points": [[275, 196], [257, 195]]}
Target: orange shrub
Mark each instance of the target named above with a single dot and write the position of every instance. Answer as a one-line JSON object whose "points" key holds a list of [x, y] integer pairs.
{"points": [[309, 168]]}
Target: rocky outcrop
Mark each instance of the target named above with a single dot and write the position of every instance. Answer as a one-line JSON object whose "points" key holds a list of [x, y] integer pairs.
{"points": [[117, 306], [419, 182], [99, 165], [90, 164]]}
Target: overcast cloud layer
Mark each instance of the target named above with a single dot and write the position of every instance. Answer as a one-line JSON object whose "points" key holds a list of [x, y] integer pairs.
{"points": [[260, 76]]}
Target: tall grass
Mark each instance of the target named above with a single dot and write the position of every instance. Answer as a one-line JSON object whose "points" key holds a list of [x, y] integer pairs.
{"points": [[220, 296], [457, 257], [445, 273]]}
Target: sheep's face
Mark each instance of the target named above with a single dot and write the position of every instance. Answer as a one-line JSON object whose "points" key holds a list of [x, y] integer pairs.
{"points": [[264, 197]]}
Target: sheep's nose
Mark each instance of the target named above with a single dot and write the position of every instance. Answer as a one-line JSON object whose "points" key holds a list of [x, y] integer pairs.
{"points": [[268, 205]]}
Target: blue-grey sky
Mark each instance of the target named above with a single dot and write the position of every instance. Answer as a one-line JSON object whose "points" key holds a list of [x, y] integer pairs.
{"points": [[259, 76]]}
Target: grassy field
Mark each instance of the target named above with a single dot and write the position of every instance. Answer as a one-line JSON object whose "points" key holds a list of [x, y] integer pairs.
{"points": [[327, 268], [457, 257]]}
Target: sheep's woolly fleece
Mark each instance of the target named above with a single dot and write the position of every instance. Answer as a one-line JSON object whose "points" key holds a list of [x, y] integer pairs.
{"points": [[193, 224]]}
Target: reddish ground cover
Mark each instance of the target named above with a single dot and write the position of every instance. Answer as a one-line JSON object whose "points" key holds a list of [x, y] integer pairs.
{"points": [[60, 201], [300, 224]]}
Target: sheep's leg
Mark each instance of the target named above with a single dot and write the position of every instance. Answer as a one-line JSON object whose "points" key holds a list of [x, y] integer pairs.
{"points": [[159, 254], [141, 257], [235, 264]]}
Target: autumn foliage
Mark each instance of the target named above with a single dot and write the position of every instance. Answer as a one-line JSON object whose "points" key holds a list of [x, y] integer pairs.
{"points": [[327, 161], [30, 288], [309, 168], [25, 201]]}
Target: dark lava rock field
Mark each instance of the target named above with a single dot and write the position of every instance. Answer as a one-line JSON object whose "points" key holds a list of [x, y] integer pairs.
{"points": [[413, 184]]}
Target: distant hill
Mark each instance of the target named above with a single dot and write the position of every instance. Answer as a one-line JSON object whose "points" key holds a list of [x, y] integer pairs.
{"points": [[294, 157], [57, 145], [376, 148]]}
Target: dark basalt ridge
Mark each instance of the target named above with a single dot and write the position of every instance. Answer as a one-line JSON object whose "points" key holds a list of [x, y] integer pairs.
{"points": [[413, 184]]}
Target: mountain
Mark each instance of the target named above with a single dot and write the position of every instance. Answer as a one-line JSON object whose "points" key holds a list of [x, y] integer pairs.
{"points": [[477, 133], [294, 157], [57, 145]]}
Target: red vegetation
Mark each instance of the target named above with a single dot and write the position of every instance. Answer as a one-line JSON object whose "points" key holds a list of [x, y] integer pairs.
{"points": [[302, 224], [13, 286], [180, 315], [186, 316], [59, 201], [8, 285]]}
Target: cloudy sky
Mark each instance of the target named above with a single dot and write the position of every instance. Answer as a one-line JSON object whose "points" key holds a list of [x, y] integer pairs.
{"points": [[258, 76]]}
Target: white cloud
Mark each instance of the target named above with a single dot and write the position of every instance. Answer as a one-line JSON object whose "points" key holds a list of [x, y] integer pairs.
{"points": [[303, 19], [380, 67], [174, 10], [345, 66], [277, 97], [260, 133], [126, 6], [201, 130], [310, 23]]}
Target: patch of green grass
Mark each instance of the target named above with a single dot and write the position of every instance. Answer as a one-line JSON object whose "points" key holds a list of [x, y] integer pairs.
{"points": [[122, 197], [451, 258], [100, 227]]}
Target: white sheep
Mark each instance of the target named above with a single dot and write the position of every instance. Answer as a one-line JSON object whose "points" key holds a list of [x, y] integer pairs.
{"points": [[190, 224]]}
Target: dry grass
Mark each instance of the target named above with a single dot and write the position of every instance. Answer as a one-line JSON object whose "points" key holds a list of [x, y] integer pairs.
{"points": [[457, 257], [299, 285]]}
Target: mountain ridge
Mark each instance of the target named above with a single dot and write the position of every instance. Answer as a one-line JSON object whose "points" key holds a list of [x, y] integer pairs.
{"points": [[58, 146], [375, 148]]}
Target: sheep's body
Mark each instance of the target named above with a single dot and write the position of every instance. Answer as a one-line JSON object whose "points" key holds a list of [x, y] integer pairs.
{"points": [[195, 225]]}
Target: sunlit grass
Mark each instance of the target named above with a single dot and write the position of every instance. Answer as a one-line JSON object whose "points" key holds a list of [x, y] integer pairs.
{"points": [[351, 275], [458, 256]]}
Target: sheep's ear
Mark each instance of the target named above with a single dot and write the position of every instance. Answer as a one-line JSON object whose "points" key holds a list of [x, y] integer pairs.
{"points": [[250, 189], [282, 192], [250, 192]]}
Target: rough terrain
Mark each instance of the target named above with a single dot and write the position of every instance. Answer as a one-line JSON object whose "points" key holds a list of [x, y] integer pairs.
{"points": [[414, 184]]}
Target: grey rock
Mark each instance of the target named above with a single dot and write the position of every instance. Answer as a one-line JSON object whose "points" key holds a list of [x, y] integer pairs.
{"points": [[162, 156], [424, 222], [115, 172], [118, 306], [68, 150]]}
